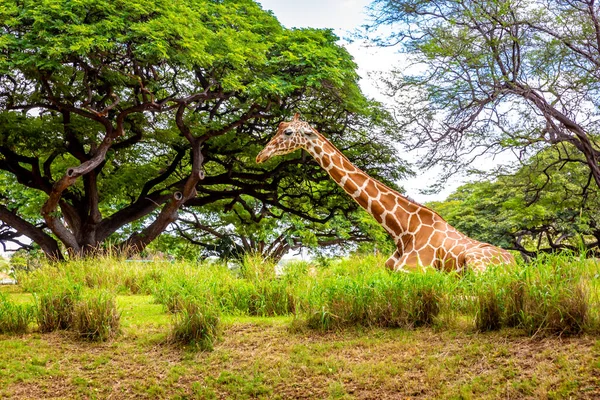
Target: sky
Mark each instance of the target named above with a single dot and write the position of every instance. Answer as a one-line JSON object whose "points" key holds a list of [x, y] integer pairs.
{"points": [[344, 16]]}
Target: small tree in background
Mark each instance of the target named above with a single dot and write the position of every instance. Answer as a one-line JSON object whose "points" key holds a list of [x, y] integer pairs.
{"points": [[548, 205]]}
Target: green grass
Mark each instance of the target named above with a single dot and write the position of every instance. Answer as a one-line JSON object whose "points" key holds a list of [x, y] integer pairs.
{"points": [[556, 295], [95, 316], [197, 322], [56, 305], [259, 357], [14, 318]]}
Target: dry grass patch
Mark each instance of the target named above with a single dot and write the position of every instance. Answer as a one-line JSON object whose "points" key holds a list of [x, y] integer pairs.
{"points": [[259, 358]]}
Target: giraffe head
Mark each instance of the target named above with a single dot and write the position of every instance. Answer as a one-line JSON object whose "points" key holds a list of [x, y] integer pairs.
{"points": [[290, 136]]}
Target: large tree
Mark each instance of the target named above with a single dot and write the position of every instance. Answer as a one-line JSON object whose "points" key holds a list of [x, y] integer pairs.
{"points": [[114, 115], [486, 75]]}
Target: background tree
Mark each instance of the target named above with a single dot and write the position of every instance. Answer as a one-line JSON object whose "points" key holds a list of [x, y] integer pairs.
{"points": [[115, 115], [548, 205], [247, 230], [487, 75]]}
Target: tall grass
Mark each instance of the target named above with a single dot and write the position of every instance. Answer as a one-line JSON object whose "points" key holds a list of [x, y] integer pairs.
{"points": [[14, 318], [197, 323], [95, 316], [364, 293], [553, 295], [118, 275], [549, 296], [253, 290], [56, 304]]}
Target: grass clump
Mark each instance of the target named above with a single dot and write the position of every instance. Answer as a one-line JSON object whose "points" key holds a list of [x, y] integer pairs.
{"points": [[96, 317], [547, 297], [489, 313], [368, 295], [14, 318], [196, 323], [56, 305]]}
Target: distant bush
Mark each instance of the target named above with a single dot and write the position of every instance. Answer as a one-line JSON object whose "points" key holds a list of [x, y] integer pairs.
{"points": [[14, 318]]}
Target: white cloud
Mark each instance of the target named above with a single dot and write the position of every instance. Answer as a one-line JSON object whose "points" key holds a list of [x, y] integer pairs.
{"points": [[340, 15]]}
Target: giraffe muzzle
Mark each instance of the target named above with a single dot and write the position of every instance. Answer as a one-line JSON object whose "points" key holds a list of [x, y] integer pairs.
{"points": [[261, 157]]}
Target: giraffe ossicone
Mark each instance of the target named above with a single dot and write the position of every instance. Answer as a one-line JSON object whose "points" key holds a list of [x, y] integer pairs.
{"points": [[423, 238]]}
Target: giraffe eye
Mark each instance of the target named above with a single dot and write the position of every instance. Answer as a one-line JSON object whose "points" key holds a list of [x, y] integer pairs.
{"points": [[288, 132]]}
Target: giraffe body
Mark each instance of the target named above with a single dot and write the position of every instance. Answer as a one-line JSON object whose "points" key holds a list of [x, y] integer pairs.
{"points": [[423, 238]]}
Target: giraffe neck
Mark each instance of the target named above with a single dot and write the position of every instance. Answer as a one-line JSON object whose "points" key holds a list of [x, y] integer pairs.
{"points": [[376, 198]]}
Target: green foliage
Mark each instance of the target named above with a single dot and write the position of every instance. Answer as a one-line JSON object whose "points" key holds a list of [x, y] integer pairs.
{"points": [[95, 316], [14, 318], [494, 75], [86, 68]]}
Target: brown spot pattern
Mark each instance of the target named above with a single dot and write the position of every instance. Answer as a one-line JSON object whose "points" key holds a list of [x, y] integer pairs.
{"points": [[422, 236]]}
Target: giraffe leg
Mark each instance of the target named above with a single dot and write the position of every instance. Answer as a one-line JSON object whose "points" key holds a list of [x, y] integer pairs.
{"points": [[407, 262], [391, 262]]}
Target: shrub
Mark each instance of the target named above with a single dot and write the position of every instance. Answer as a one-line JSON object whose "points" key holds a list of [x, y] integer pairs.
{"points": [[14, 318], [196, 323], [96, 317]]}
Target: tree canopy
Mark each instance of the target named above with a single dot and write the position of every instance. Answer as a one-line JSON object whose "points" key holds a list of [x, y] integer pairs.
{"points": [[116, 115], [487, 75]]}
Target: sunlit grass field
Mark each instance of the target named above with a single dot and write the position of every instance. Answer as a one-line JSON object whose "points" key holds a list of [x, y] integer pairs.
{"points": [[350, 329]]}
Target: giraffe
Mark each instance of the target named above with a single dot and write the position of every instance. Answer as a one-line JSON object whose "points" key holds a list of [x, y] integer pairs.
{"points": [[423, 238]]}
